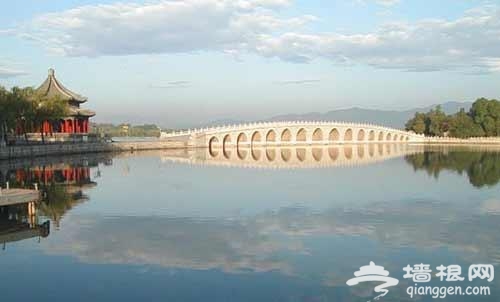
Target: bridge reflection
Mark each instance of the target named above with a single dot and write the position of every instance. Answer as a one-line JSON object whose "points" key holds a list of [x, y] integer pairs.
{"points": [[295, 157]]}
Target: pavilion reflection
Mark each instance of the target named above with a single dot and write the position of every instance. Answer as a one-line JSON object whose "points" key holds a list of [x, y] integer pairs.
{"points": [[295, 157], [62, 183], [21, 222]]}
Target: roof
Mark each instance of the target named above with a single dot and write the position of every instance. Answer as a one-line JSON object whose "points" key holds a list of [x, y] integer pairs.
{"points": [[80, 112], [52, 87]]}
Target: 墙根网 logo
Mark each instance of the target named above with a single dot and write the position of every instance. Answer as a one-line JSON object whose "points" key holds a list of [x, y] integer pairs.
{"points": [[374, 273]]}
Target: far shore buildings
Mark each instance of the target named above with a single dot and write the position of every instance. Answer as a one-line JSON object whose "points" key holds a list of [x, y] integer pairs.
{"points": [[77, 120]]}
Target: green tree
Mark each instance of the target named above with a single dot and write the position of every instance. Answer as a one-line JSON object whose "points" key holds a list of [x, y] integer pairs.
{"points": [[46, 109], [486, 113], [463, 126], [437, 122], [417, 123]]}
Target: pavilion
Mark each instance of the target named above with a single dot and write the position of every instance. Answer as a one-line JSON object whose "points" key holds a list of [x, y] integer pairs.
{"points": [[77, 120]]}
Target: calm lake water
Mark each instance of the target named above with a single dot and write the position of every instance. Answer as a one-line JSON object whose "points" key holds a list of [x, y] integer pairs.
{"points": [[249, 225]]}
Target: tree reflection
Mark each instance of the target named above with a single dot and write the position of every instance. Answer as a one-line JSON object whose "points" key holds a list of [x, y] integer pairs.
{"points": [[482, 168]]}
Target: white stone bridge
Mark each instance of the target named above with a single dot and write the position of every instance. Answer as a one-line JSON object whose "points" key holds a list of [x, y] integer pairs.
{"points": [[292, 133]]}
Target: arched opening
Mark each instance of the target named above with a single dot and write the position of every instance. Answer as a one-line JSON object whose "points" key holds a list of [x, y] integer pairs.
{"points": [[402, 138], [333, 153], [371, 136], [301, 135], [317, 154], [348, 152], [334, 135], [361, 135], [381, 136], [256, 138], [286, 154], [301, 154], [286, 135], [213, 144], [242, 139], [395, 137], [348, 135], [271, 136], [271, 154], [388, 138], [317, 135], [407, 138], [226, 142]]}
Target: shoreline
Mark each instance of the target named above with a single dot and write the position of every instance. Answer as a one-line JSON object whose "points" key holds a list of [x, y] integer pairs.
{"points": [[34, 151]]}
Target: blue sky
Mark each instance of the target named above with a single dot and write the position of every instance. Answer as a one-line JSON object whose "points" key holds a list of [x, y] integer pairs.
{"points": [[184, 62]]}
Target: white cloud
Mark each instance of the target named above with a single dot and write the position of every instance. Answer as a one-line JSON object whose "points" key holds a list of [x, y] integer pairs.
{"points": [[387, 2], [469, 43], [6, 72]]}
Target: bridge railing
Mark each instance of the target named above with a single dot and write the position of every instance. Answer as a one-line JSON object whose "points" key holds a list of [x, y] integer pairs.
{"points": [[245, 126]]}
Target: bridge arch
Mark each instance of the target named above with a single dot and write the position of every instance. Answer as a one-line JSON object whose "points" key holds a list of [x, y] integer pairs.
{"points": [[381, 136], [225, 146], [256, 138], [213, 144], [271, 136], [395, 137], [348, 135], [334, 135], [286, 135], [301, 135], [388, 137], [317, 135], [361, 135], [242, 139], [371, 135]]}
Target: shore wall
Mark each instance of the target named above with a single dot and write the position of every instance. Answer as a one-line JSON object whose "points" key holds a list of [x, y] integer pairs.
{"points": [[12, 152]]}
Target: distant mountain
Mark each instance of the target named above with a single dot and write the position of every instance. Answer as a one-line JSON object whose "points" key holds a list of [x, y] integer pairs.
{"points": [[390, 118]]}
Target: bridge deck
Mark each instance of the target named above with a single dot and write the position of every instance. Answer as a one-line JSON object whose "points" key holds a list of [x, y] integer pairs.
{"points": [[17, 196]]}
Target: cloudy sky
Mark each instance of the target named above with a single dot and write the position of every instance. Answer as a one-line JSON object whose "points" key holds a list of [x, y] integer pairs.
{"points": [[182, 62]]}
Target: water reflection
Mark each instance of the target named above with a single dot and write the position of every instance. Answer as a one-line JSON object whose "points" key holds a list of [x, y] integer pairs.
{"points": [[21, 222], [61, 181], [307, 250], [294, 157], [482, 168]]}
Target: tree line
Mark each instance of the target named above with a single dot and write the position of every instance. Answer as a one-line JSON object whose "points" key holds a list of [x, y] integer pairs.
{"points": [[26, 109], [483, 119], [147, 130]]}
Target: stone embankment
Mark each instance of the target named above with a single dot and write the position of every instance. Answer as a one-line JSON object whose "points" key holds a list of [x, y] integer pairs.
{"points": [[461, 141], [12, 152]]}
